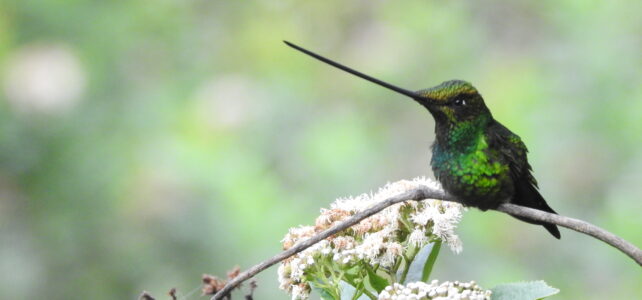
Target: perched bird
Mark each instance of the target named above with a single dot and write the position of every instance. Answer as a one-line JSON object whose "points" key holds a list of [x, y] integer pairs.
{"points": [[474, 157]]}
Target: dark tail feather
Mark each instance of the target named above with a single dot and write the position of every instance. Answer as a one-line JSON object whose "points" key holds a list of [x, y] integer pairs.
{"points": [[553, 230], [527, 195], [550, 227]]}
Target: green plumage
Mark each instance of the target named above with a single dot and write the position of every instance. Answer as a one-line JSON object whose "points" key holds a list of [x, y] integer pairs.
{"points": [[475, 158]]}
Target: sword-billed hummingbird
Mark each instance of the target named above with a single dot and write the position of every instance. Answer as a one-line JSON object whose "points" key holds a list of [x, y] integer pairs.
{"points": [[474, 157]]}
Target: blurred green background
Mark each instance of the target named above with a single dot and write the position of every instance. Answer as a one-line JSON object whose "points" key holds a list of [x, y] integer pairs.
{"points": [[143, 143]]}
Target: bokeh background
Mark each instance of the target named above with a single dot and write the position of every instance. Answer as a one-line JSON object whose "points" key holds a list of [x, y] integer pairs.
{"points": [[143, 143]]}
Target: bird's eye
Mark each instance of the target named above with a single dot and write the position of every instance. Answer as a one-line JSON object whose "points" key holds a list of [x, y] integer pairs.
{"points": [[460, 102]]}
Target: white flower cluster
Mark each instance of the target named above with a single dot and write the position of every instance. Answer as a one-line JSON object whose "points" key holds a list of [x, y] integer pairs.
{"points": [[434, 290], [378, 240]]}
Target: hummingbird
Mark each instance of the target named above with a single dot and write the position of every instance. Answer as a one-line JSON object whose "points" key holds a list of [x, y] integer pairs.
{"points": [[475, 158]]}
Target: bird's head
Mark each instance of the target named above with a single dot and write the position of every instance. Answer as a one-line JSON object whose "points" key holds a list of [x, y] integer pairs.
{"points": [[453, 101]]}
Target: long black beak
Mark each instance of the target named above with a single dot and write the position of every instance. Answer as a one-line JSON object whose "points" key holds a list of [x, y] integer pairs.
{"points": [[417, 97]]}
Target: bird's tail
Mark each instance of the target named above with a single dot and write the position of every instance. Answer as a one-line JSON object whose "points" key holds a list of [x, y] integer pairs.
{"points": [[528, 195]]}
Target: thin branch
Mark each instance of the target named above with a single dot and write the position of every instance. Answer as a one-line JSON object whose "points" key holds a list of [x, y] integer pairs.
{"points": [[578, 225], [427, 193]]}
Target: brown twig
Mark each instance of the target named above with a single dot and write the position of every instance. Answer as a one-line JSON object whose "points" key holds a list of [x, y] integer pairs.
{"points": [[427, 193], [172, 293], [145, 296], [578, 225]]}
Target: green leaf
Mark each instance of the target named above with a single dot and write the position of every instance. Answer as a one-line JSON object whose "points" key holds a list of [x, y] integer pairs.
{"points": [[417, 265], [421, 266], [323, 293], [523, 291], [349, 292], [377, 282], [352, 276], [430, 262], [354, 270]]}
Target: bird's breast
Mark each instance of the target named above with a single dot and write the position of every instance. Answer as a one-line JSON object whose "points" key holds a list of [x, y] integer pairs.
{"points": [[473, 175]]}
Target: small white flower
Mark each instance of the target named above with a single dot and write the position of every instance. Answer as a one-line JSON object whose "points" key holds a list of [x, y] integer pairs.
{"points": [[380, 239], [444, 291], [417, 238], [300, 292], [393, 250], [422, 217], [284, 277]]}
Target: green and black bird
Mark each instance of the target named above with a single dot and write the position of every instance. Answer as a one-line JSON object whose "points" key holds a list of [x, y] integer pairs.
{"points": [[474, 157]]}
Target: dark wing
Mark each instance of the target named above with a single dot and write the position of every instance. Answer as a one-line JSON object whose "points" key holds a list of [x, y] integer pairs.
{"points": [[514, 151]]}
